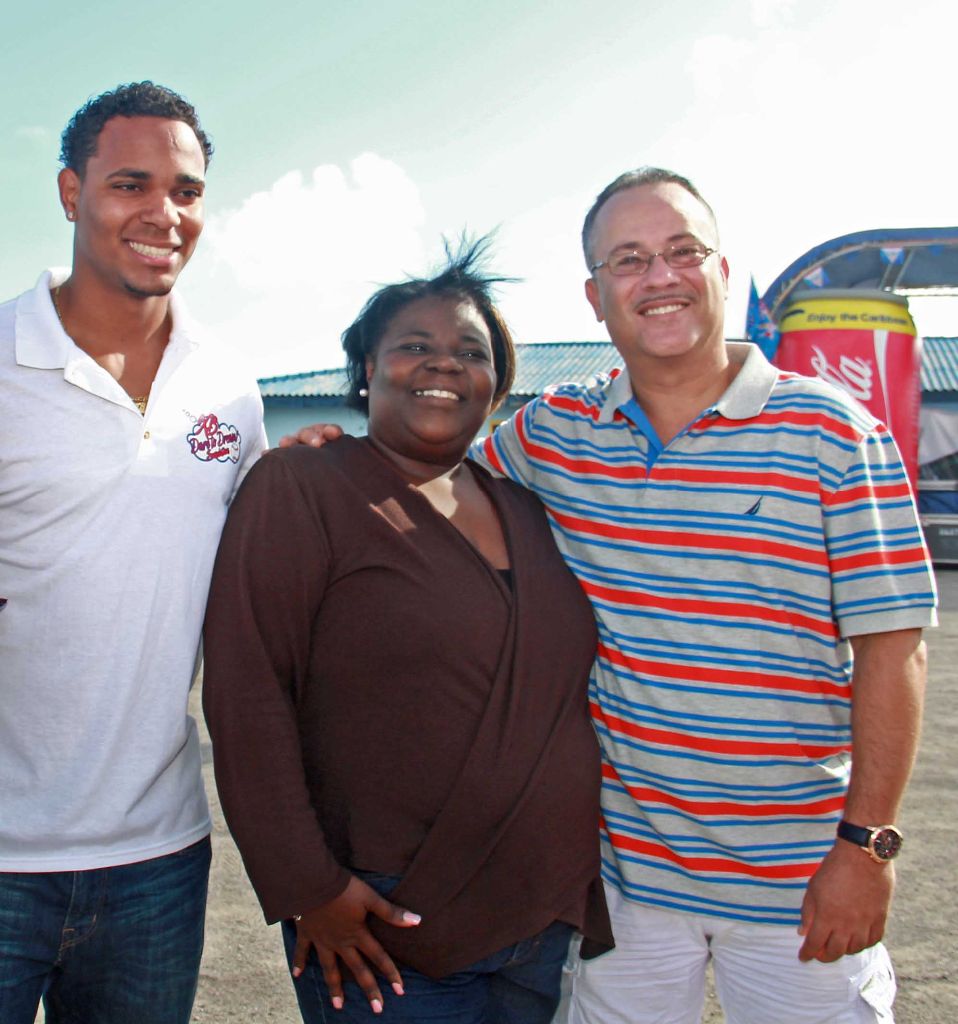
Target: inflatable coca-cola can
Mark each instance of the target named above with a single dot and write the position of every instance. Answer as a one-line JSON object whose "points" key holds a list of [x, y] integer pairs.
{"points": [[865, 342]]}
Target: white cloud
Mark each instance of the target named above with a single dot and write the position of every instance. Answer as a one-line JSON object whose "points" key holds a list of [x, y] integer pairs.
{"points": [[33, 133], [711, 61], [283, 274], [766, 13], [542, 247], [804, 129], [327, 231]]}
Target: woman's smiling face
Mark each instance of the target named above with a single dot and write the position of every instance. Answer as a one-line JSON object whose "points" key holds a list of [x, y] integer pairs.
{"points": [[431, 380]]}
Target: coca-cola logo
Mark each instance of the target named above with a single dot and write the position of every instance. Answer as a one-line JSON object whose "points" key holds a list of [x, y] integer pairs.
{"points": [[853, 374]]}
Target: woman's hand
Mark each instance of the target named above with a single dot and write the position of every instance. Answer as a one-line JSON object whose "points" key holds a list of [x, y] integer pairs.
{"points": [[338, 930]]}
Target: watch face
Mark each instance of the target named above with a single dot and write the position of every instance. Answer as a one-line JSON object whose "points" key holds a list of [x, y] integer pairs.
{"points": [[886, 843]]}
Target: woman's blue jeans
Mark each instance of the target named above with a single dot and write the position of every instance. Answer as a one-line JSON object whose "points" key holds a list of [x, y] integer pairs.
{"points": [[116, 945], [517, 985]]}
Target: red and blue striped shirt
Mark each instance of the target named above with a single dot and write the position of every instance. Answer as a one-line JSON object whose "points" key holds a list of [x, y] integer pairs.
{"points": [[726, 569]]}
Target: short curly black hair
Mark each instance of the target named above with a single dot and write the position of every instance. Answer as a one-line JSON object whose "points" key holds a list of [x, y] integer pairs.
{"points": [[460, 278], [136, 99]]}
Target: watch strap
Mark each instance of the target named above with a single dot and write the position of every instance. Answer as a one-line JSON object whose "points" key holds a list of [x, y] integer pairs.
{"points": [[857, 834]]}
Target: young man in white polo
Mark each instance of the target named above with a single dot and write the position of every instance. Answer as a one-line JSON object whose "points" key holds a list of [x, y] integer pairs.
{"points": [[125, 434]]}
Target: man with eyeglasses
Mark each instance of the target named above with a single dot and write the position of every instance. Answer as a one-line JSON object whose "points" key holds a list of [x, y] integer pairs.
{"points": [[749, 543]]}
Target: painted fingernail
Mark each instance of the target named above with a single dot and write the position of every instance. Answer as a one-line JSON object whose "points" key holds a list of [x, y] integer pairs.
{"points": [[398, 989], [297, 971], [337, 1002], [377, 1006], [410, 918]]}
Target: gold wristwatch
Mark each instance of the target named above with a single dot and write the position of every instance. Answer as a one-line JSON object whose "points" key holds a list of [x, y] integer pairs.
{"points": [[881, 842]]}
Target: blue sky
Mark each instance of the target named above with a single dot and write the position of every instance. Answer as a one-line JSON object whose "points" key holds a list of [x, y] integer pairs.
{"points": [[350, 137]]}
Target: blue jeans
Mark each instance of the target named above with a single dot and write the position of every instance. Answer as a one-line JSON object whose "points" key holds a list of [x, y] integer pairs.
{"points": [[517, 985], [116, 945]]}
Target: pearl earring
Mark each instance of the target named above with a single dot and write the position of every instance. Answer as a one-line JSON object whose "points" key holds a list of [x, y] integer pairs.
{"points": [[70, 215], [364, 392]]}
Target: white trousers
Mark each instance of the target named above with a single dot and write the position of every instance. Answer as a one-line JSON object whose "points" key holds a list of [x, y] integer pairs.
{"points": [[656, 974]]}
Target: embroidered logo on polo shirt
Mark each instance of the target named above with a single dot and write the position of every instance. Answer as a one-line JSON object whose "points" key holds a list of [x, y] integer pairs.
{"points": [[753, 511], [212, 441]]}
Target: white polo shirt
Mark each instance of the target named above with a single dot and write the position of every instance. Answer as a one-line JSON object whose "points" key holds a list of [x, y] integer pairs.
{"points": [[109, 523]]}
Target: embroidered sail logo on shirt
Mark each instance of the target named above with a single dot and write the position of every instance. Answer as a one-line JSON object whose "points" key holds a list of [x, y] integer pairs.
{"points": [[753, 511], [212, 441]]}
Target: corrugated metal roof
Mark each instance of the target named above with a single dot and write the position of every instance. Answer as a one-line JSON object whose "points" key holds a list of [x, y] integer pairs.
{"points": [[537, 366], [939, 365], [313, 384], [551, 362]]}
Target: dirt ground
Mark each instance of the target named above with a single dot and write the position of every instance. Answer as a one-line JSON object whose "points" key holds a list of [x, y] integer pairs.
{"points": [[244, 978]]}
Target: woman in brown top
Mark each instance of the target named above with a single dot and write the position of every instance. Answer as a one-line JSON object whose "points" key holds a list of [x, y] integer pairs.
{"points": [[395, 685]]}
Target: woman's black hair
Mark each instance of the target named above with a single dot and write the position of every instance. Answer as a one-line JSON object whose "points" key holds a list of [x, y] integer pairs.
{"points": [[461, 278]]}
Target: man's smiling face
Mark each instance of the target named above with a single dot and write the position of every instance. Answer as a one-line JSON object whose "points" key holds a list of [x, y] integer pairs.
{"points": [[666, 313], [138, 205]]}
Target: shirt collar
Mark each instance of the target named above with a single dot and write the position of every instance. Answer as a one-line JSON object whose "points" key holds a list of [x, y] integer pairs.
{"points": [[744, 398], [42, 343], [618, 392]]}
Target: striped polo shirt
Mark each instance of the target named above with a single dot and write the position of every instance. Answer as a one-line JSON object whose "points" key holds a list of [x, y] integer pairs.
{"points": [[726, 569]]}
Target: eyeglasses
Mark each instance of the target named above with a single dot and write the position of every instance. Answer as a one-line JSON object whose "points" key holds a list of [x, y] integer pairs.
{"points": [[628, 263]]}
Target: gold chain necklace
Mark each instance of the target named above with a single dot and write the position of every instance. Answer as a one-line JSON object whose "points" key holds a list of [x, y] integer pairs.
{"points": [[138, 400]]}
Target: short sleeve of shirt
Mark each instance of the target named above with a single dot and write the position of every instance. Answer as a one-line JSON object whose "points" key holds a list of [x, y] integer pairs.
{"points": [[881, 575], [505, 451]]}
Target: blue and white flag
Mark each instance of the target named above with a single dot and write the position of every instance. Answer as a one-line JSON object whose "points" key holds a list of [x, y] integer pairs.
{"points": [[760, 328]]}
